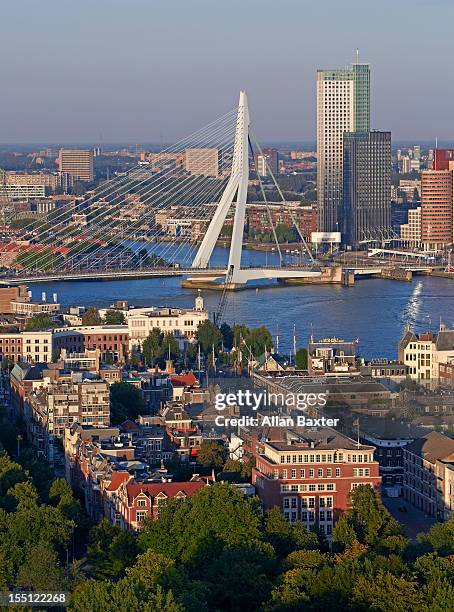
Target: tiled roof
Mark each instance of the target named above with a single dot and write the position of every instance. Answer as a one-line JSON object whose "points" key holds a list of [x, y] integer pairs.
{"points": [[117, 479], [433, 446], [169, 489]]}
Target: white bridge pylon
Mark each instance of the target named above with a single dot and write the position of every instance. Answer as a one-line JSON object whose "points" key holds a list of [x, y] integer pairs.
{"points": [[237, 186]]}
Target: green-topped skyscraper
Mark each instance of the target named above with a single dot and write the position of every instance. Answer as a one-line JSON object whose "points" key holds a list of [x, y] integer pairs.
{"points": [[343, 105]]}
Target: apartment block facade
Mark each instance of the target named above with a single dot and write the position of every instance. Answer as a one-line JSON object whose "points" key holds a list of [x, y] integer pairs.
{"points": [[309, 476]]}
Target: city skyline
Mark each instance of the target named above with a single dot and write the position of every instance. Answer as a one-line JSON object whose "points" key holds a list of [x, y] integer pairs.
{"points": [[122, 81]]}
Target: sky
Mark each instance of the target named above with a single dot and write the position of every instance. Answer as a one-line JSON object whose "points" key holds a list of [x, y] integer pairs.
{"points": [[142, 71]]}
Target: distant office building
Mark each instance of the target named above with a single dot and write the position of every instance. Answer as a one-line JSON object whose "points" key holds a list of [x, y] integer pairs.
{"points": [[410, 232], [342, 106], [77, 163], [366, 209], [24, 192], [202, 161], [38, 179], [437, 202], [268, 160], [404, 164]]}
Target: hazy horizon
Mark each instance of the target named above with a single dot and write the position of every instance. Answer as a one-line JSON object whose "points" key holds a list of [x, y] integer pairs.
{"points": [[153, 72]]}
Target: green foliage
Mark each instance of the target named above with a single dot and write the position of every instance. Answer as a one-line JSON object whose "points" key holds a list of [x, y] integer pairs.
{"points": [[39, 321], [114, 317], [203, 524], [126, 402], [227, 336], [110, 550], [211, 454], [301, 359], [152, 346], [209, 335], [91, 317]]}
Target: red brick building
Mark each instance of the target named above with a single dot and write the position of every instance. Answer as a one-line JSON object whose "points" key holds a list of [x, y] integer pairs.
{"points": [[134, 502], [309, 475]]}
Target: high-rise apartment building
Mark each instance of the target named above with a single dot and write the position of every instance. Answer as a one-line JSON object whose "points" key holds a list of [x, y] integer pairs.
{"points": [[366, 209], [343, 105], [437, 201], [203, 161], [77, 163]]}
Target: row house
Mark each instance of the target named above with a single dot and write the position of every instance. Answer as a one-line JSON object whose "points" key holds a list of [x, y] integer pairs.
{"points": [[37, 346], [429, 475], [182, 431], [309, 476], [50, 399]]}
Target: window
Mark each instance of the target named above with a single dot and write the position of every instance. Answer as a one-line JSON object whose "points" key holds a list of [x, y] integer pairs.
{"points": [[328, 472], [320, 472], [141, 515], [293, 473], [284, 473], [141, 503], [286, 502], [302, 473], [311, 473], [338, 472]]}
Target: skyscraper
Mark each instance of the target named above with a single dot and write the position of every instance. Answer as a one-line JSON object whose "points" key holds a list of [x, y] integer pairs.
{"points": [[343, 105], [366, 208]]}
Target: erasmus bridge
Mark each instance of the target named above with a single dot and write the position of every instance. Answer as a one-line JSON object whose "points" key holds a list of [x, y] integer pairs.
{"points": [[117, 232]]}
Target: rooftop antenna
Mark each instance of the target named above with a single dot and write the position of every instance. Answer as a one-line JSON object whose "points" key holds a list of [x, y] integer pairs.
{"points": [[357, 55], [436, 142]]}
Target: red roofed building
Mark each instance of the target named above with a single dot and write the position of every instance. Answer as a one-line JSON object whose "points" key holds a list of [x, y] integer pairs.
{"points": [[132, 503]]}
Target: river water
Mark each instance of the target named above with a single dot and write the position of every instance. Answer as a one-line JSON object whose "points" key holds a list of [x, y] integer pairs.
{"points": [[374, 311]]}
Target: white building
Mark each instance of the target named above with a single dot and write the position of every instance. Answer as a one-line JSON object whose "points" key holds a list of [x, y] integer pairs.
{"points": [[411, 232], [423, 353], [181, 323]]}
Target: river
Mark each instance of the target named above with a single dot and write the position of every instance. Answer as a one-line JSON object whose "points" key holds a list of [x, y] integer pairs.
{"points": [[374, 311]]}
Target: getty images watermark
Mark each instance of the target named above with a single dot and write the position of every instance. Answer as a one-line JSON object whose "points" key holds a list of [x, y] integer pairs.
{"points": [[263, 400]]}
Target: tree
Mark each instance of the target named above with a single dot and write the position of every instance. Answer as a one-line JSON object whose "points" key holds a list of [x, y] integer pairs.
{"points": [[198, 527], [114, 317], [209, 335], [371, 522], [110, 550], [211, 454], [227, 336], [41, 570], [151, 346], [40, 321], [91, 317], [301, 359], [126, 402], [169, 346]]}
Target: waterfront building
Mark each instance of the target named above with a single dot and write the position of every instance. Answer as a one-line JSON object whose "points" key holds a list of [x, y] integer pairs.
{"points": [[410, 232], [331, 356], [437, 203], [424, 353], [366, 208], [181, 323], [342, 106], [429, 475], [309, 475], [76, 163]]}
